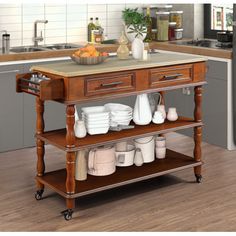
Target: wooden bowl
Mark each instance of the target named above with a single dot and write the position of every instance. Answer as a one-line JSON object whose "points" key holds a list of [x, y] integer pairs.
{"points": [[89, 60]]}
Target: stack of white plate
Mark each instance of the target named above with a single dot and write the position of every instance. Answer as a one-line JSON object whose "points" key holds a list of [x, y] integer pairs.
{"points": [[97, 119], [120, 114]]}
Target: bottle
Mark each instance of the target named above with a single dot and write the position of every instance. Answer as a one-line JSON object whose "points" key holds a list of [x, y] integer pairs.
{"points": [[148, 20], [123, 50], [98, 32], [91, 27], [5, 42]]}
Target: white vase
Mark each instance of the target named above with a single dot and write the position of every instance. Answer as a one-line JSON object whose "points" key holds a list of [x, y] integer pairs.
{"points": [[172, 114], [131, 36], [137, 48], [161, 108], [142, 111], [79, 128]]}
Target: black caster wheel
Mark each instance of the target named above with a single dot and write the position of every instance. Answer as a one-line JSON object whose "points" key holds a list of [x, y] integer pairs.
{"points": [[198, 178], [38, 195], [67, 214]]}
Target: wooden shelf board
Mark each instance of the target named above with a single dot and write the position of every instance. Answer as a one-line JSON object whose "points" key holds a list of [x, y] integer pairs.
{"points": [[58, 137], [124, 175]]}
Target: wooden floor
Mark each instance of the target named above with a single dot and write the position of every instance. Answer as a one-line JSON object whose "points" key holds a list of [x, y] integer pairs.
{"points": [[167, 203]]}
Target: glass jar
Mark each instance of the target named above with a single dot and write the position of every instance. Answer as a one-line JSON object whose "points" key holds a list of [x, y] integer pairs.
{"points": [[177, 16], [172, 26], [162, 26], [154, 34], [178, 34]]}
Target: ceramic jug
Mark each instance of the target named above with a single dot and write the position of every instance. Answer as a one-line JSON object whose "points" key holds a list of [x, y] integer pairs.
{"points": [[102, 161], [142, 111], [147, 147]]}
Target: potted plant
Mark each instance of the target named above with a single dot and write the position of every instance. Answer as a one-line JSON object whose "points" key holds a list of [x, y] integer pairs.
{"points": [[135, 24]]}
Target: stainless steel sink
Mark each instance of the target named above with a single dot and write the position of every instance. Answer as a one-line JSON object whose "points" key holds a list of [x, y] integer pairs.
{"points": [[49, 47], [61, 46], [26, 49]]}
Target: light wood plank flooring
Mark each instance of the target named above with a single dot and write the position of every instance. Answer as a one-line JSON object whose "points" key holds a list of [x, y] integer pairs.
{"points": [[167, 203]]}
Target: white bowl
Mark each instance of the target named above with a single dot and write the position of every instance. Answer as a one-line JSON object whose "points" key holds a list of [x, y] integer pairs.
{"points": [[117, 107], [104, 125], [93, 131], [94, 109], [96, 116]]}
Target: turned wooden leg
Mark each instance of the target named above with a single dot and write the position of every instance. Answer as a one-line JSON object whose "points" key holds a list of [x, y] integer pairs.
{"points": [[198, 131], [162, 103], [39, 143], [70, 156]]}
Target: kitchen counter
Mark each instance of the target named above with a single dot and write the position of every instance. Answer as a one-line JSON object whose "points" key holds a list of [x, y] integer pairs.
{"points": [[210, 52], [167, 46], [71, 69]]}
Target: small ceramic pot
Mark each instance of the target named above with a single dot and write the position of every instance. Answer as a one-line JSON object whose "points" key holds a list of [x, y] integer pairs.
{"points": [[160, 152], [158, 118], [172, 114], [79, 128]]}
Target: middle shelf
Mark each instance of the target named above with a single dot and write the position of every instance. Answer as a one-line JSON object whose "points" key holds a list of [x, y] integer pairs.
{"points": [[58, 137]]}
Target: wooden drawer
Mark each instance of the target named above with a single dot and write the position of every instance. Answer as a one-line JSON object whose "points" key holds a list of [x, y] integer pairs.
{"points": [[52, 89], [107, 84], [173, 75]]}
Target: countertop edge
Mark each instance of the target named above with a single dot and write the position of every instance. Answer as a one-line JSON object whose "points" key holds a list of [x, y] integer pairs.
{"points": [[117, 68]]}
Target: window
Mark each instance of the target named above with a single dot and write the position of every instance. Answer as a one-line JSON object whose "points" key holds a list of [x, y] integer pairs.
{"points": [[217, 17]]}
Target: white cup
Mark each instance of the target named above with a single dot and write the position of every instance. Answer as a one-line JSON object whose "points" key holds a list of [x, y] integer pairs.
{"points": [[160, 142], [160, 152]]}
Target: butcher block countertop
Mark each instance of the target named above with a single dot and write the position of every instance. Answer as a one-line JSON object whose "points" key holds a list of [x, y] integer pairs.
{"points": [[113, 64], [168, 46]]}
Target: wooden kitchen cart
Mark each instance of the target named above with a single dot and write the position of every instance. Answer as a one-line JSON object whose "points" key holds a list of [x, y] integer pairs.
{"points": [[71, 84]]}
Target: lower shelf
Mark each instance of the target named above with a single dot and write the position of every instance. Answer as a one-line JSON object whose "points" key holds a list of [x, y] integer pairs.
{"points": [[124, 175]]}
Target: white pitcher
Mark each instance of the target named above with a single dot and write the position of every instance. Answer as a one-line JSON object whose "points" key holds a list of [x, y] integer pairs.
{"points": [[142, 110]]}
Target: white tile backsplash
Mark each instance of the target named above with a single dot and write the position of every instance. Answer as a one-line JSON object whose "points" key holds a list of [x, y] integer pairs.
{"points": [[66, 22], [94, 8]]}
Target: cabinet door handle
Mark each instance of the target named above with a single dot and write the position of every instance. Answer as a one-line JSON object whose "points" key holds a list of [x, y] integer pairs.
{"points": [[8, 71], [169, 77], [112, 84]]}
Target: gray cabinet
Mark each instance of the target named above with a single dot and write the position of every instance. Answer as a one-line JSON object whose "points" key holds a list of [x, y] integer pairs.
{"points": [[214, 105], [11, 107], [54, 114]]}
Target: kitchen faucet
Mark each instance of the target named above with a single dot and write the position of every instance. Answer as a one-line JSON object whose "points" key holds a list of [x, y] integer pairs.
{"points": [[37, 38]]}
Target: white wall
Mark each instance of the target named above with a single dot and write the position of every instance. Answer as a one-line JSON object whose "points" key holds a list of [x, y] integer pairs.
{"points": [[68, 22]]}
